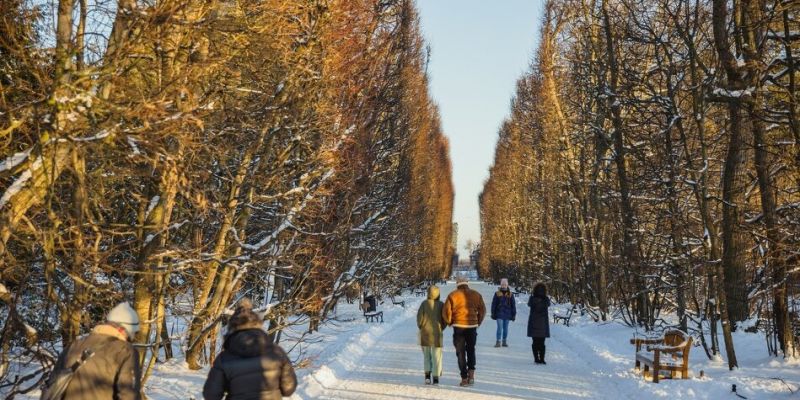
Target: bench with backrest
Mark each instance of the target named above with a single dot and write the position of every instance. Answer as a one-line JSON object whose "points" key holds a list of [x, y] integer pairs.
{"points": [[563, 318], [376, 316], [370, 308], [401, 303], [667, 353]]}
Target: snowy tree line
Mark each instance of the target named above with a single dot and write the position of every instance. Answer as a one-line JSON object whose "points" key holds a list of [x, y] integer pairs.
{"points": [[182, 154], [651, 165]]}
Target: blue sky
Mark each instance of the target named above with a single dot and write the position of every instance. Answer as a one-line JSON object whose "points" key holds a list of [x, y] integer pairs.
{"points": [[478, 50]]}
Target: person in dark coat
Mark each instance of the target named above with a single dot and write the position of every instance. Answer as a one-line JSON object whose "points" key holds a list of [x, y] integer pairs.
{"points": [[504, 309], [250, 366], [113, 371], [538, 322]]}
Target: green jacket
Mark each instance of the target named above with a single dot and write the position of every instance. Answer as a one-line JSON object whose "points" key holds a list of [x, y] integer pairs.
{"points": [[429, 320]]}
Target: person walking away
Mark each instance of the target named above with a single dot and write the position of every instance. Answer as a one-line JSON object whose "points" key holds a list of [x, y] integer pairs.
{"points": [[538, 322], [108, 362], [431, 324], [464, 309], [504, 309], [250, 366]]}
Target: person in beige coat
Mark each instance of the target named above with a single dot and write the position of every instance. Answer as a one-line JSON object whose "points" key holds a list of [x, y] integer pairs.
{"points": [[113, 370], [431, 324]]}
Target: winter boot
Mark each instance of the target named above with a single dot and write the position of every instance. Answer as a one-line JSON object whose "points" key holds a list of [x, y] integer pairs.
{"points": [[505, 344], [435, 380], [541, 355], [535, 354], [427, 378], [471, 378], [464, 382], [497, 344]]}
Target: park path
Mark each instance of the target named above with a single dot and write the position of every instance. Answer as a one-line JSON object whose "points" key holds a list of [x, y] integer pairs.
{"points": [[392, 367]]}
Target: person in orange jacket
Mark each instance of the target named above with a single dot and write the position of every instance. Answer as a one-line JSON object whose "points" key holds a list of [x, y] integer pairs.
{"points": [[464, 310]]}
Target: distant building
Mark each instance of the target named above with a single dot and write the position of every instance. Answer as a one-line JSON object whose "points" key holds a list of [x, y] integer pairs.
{"points": [[473, 259]]}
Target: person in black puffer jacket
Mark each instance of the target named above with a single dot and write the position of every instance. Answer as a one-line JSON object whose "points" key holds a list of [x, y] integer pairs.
{"points": [[538, 323], [250, 366]]}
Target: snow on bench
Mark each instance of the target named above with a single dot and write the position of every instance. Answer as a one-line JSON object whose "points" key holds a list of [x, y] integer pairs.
{"points": [[401, 303], [373, 317], [371, 314], [564, 318], [675, 344]]}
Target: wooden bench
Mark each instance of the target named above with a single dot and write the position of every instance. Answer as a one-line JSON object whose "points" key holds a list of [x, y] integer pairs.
{"points": [[564, 318], [668, 353]]}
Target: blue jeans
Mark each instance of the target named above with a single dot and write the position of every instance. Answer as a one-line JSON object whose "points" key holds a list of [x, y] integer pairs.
{"points": [[502, 329]]}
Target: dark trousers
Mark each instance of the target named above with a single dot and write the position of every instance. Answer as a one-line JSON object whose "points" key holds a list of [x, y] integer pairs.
{"points": [[464, 339], [538, 349]]}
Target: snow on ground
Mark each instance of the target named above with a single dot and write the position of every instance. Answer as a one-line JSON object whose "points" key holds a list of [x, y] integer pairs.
{"points": [[585, 360], [351, 359]]}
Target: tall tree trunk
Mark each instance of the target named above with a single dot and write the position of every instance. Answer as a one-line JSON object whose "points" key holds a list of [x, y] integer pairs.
{"points": [[630, 250], [752, 33], [731, 267], [203, 308], [155, 236], [774, 257], [50, 157]]}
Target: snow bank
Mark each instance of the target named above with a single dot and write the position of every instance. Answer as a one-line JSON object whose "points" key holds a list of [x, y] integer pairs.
{"points": [[759, 377], [343, 352]]}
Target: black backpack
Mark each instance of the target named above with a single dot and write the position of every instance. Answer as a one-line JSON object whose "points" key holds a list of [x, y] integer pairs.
{"points": [[59, 380]]}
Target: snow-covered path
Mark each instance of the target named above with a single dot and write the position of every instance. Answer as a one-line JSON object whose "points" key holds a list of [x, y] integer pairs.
{"points": [[392, 368], [351, 359]]}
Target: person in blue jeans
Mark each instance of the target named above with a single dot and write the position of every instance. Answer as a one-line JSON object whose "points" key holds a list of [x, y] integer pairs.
{"points": [[504, 309]]}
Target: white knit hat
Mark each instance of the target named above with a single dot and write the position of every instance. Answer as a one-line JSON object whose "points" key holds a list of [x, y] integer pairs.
{"points": [[125, 316], [461, 280]]}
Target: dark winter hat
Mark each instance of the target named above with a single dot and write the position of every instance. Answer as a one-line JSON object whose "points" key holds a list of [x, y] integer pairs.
{"points": [[244, 317], [539, 289]]}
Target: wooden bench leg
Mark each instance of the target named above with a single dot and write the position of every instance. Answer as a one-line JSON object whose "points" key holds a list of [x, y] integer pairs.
{"points": [[655, 373]]}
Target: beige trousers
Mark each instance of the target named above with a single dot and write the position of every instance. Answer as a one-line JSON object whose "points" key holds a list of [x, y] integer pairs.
{"points": [[432, 360]]}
